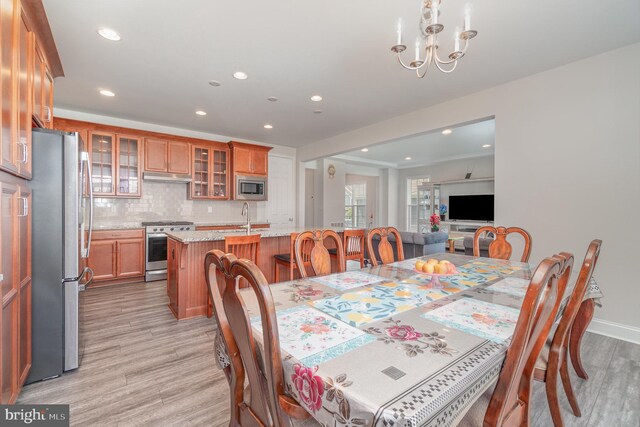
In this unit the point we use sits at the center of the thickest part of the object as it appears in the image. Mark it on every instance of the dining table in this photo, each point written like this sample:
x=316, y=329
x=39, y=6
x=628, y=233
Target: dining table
x=391, y=346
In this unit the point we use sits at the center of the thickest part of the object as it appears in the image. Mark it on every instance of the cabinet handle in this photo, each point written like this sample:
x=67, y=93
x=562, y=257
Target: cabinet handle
x=25, y=206
x=173, y=254
x=25, y=150
x=47, y=115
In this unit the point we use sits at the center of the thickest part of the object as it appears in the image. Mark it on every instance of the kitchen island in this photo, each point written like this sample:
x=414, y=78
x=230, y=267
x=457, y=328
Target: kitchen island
x=186, y=250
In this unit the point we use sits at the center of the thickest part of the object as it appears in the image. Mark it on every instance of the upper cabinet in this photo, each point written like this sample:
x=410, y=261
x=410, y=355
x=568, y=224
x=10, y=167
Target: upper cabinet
x=167, y=156
x=249, y=159
x=42, y=91
x=27, y=58
x=210, y=172
x=115, y=164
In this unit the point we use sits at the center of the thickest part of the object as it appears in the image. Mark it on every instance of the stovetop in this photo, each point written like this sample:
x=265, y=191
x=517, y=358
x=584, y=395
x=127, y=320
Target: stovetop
x=161, y=223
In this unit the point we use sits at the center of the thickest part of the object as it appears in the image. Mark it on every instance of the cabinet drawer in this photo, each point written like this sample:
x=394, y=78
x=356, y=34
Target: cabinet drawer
x=118, y=234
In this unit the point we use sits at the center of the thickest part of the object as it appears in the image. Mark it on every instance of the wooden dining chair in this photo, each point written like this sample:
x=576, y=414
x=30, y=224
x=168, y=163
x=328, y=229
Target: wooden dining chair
x=289, y=260
x=500, y=248
x=553, y=360
x=245, y=247
x=385, y=250
x=509, y=402
x=263, y=402
x=318, y=256
x=353, y=244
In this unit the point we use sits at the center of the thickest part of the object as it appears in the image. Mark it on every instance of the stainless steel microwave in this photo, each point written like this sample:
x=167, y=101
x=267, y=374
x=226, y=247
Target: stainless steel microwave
x=251, y=188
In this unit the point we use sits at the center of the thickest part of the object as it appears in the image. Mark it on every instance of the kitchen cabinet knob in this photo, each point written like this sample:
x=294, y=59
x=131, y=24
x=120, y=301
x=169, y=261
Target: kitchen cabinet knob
x=173, y=254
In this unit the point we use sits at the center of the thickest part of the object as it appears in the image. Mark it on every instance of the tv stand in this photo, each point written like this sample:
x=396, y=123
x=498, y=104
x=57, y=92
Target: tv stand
x=463, y=229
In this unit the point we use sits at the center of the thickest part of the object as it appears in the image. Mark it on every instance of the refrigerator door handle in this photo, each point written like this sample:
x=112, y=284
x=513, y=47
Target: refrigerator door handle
x=85, y=159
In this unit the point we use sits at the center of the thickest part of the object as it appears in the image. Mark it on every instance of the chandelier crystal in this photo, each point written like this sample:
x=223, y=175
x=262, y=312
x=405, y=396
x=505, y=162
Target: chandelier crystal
x=430, y=28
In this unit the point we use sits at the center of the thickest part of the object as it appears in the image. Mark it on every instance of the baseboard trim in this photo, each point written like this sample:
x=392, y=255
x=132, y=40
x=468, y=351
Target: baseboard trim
x=615, y=330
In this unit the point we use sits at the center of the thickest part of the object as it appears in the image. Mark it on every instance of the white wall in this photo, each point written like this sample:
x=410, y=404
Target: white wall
x=567, y=165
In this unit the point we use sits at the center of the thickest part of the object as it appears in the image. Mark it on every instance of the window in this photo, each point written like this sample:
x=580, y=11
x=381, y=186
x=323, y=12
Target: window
x=419, y=203
x=355, y=202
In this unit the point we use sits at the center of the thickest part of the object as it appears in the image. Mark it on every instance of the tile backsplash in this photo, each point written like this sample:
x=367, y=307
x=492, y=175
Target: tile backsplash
x=168, y=201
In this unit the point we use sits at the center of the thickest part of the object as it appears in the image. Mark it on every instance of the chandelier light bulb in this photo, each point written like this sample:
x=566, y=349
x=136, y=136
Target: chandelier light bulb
x=399, y=32
x=456, y=47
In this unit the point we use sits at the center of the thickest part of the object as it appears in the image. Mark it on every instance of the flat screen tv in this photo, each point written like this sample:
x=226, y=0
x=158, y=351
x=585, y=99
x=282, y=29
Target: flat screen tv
x=476, y=207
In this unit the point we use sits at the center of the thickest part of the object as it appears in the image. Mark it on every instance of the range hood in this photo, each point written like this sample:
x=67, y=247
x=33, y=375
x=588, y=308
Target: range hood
x=166, y=177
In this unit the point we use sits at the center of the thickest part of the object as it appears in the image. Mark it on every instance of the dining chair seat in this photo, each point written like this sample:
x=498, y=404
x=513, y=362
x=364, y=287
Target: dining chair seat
x=283, y=257
x=543, y=359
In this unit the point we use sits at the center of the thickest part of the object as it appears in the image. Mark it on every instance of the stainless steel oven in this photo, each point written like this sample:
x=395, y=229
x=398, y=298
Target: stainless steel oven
x=156, y=246
x=251, y=188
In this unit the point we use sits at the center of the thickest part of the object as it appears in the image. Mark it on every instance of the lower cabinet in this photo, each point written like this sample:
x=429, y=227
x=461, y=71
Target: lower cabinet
x=117, y=256
x=15, y=286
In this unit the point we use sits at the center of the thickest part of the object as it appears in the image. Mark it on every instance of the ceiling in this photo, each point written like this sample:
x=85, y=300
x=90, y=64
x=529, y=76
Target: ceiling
x=293, y=49
x=464, y=142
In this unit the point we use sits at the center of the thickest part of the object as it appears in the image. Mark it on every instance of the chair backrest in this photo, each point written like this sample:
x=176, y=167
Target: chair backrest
x=561, y=337
x=267, y=404
x=385, y=250
x=509, y=405
x=500, y=248
x=353, y=242
x=318, y=256
x=246, y=247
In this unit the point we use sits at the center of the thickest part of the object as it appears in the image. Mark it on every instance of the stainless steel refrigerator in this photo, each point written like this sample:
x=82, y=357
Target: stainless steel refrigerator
x=62, y=219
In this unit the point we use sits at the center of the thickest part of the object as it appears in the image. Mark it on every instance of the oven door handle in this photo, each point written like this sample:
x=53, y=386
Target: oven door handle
x=156, y=235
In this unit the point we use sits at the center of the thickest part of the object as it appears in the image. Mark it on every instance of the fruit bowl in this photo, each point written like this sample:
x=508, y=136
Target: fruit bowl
x=439, y=268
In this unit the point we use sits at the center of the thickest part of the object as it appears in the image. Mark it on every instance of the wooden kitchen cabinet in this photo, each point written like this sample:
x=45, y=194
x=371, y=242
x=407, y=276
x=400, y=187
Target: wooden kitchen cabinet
x=15, y=285
x=179, y=157
x=117, y=256
x=42, y=90
x=25, y=40
x=249, y=159
x=8, y=145
x=167, y=156
x=210, y=172
x=103, y=158
x=129, y=172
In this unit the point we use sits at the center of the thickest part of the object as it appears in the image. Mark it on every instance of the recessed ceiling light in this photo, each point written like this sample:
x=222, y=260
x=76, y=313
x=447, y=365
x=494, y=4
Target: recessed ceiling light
x=240, y=75
x=106, y=92
x=407, y=158
x=316, y=98
x=447, y=132
x=201, y=113
x=109, y=34
x=215, y=83
x=486, y=146
x=268, y=126
x=272, y=99
x=364, y=150
x=317, y=111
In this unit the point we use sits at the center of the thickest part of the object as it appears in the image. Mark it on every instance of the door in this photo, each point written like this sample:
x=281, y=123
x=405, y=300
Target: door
x=24, y=281
x=24, y=98
x=130, y=260
x=128, y=156
x=102, y=163
x=8, y=148
x=280, y=206
x=260, y=162
x=179, y=157
x=201, y=172
x=9, y=289
x=155, y=155
x=37, y=83
x=156, y=258
x=102, y=259
x=242, y=160
x=47, y=97
x=220, y=167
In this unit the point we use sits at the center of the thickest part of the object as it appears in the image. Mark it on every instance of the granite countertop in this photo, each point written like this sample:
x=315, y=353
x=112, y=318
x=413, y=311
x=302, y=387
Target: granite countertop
x=210, y=236
x=230, y=223
x=117, y=226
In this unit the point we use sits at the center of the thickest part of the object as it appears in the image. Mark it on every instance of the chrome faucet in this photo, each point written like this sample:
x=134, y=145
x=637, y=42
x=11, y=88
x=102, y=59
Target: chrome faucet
x=245, y=211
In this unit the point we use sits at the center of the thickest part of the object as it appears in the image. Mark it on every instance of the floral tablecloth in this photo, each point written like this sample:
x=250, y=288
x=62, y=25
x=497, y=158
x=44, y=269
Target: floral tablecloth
x=380, y=346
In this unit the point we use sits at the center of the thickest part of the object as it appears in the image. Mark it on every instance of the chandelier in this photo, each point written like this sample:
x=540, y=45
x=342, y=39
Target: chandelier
x=430, y=27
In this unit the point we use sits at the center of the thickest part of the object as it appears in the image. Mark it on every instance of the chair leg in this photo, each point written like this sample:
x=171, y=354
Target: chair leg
x=551, y=385
x=579, y=327
x=568, y=389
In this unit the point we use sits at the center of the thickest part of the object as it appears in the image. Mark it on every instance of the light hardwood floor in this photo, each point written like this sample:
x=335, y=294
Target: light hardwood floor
x=142, y=367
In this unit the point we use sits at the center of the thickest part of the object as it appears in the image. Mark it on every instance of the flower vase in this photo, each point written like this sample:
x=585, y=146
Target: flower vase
x=434, y=228
x=443, y=217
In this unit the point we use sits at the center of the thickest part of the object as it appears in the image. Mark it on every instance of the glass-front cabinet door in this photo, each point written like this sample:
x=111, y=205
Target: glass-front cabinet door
x=102, y=163
x=201, y=173
x=128, y=166
x=220, y=177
